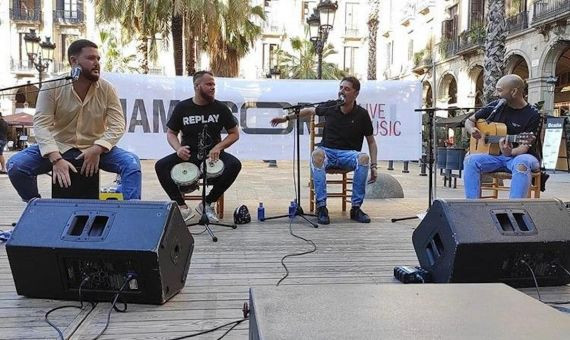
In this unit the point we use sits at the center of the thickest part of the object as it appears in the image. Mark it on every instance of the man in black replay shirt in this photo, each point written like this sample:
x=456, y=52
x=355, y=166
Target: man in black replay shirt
x=520, y=160
x=189, y=118
x=345, y=128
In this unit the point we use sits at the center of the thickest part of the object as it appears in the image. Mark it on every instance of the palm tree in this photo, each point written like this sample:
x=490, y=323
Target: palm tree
x=302, y=64
x=113, y=58
x=141, y=20
x=372, y=38
x=494, y=62
x=177, y=29
x=238, y=35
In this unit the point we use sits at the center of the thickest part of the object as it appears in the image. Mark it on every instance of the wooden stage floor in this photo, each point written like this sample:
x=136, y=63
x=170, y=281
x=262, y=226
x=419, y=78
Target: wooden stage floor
x=221, y=273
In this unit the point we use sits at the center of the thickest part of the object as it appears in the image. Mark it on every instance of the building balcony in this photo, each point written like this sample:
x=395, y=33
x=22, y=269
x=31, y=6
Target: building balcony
x=471, y=40
x=351, y=32
x=422, y=62
x=67, y=17
x=26, y=15
x=449, y=47
x=271, y=28
x=424, y=6
x=550, y=10
x=22, y=67
x=407, y=17
x=517, y=23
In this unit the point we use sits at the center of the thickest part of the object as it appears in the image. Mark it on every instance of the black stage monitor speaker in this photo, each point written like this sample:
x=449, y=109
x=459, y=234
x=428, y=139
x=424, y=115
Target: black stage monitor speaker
x=56, y=244
x=494, y=241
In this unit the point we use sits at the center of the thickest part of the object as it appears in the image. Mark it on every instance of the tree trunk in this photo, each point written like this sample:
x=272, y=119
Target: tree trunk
x=494, y=63
x=177, y=44
x=142, y=54
x=190, y=50
x=372, y=39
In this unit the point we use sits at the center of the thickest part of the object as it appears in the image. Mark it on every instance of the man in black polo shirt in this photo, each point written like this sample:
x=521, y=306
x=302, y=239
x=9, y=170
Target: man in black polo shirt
x=190, y=117
x=345, y=128
x=520, y=160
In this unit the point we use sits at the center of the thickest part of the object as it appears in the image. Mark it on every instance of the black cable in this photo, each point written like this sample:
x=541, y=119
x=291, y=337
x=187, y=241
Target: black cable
x=114, y=307
x=538, y=291
x=231, y=328
x=212, y=330
x=46, y=316
x=295, y=254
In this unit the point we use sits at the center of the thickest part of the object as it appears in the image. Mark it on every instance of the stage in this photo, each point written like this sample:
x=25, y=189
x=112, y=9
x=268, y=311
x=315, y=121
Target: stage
x=221, y=273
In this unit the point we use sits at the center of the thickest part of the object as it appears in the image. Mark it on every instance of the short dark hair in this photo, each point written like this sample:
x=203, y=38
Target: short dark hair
x=199, y=75
x=355, y=82
x=75, y=47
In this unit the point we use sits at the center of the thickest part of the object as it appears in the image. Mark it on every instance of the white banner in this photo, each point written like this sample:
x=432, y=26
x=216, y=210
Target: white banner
x=148, y=102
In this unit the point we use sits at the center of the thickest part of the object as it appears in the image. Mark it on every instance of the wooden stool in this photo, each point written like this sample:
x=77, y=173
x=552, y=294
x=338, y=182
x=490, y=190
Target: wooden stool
x=495, y=186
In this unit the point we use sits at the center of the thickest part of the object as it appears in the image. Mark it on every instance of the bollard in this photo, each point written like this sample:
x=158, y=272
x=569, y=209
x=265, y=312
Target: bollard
x=390, y=165
x=406, y=163
x=423, y=166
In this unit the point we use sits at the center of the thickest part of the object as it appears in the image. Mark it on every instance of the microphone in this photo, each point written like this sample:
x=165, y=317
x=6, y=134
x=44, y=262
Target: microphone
x=341, y=99
x=497, y=107
x=75, y=73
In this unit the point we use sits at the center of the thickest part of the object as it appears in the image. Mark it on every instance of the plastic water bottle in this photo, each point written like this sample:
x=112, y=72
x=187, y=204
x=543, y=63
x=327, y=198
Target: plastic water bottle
x=261, y=212
x=292, y=209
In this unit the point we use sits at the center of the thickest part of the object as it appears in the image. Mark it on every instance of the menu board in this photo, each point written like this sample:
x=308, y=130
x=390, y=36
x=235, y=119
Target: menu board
x=552, y=137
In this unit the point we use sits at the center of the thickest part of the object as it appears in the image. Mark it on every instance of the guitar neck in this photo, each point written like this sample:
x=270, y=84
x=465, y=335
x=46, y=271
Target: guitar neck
x=496, y=139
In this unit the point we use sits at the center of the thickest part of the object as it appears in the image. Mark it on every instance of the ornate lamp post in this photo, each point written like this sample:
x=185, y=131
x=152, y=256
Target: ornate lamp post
x=320, y=24
x=551, y=86
x=39, y=52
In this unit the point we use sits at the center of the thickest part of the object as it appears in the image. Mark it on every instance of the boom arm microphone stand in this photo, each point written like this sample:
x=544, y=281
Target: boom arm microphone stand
x=204, y=220
x=299, y=210
x=431, y=155
x=70, y=77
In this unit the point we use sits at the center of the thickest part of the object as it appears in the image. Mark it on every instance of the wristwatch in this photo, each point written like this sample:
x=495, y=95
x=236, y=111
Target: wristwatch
x=286, y=117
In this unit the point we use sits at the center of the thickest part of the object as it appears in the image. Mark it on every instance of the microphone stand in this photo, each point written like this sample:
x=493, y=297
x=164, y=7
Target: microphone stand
x=36, y=83
x=431, y=156
x=204, y=220
x=298, y=209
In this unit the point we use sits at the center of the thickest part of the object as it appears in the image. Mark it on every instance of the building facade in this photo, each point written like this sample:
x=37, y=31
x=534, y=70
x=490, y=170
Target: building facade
x=60, y=21
x=450, y=35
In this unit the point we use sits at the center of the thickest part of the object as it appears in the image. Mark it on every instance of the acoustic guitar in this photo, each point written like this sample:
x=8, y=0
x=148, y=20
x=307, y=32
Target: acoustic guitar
x=491, y=134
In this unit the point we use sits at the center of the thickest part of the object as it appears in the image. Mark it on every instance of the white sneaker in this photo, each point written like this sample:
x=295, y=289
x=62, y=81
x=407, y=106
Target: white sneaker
x=187, y=214
x=209, y=212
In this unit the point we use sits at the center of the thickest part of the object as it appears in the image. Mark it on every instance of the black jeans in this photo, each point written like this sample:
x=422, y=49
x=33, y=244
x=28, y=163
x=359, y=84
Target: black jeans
x=232, y=167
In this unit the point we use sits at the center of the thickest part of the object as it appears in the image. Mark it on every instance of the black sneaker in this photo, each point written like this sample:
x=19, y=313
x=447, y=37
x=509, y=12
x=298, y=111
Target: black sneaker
x=323, y=215
x=358, y=215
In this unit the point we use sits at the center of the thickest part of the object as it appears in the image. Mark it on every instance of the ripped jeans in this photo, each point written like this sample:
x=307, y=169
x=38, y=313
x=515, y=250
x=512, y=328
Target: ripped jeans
x=520, y=166
x=341, y=159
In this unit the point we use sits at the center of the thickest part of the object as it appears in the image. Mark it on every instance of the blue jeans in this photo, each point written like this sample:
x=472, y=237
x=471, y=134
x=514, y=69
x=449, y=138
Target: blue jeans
x=520, y=166
x=26, y=165
x=341, y=159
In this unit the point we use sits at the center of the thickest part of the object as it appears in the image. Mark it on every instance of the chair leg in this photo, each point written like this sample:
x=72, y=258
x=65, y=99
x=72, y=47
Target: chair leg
x=220, y=207
x=344, y=195
x=311, y=196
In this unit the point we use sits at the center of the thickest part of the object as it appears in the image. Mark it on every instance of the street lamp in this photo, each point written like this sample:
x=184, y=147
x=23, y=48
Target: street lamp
x=551, y=86
x=39, y=52
x=320, y=24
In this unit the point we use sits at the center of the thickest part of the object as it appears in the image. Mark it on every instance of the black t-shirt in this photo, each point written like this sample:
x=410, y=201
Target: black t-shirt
x=190, y=118
x=526, y=119
x=344, y=131
x=3, y=129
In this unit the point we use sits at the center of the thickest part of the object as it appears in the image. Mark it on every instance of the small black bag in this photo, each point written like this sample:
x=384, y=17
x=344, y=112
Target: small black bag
x=241, y=215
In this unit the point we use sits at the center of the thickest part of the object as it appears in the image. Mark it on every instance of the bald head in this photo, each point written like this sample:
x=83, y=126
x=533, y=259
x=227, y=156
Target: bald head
x=511, y=87
x=512, y=81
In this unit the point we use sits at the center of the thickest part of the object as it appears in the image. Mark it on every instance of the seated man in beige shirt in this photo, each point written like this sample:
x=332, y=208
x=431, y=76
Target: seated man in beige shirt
x=80, y=122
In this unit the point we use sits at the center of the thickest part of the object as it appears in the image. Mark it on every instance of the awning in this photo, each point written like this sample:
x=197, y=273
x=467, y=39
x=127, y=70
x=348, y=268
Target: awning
x=19, y=119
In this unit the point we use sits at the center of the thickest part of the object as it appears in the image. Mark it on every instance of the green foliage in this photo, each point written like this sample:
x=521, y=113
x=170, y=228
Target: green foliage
x=113, y=59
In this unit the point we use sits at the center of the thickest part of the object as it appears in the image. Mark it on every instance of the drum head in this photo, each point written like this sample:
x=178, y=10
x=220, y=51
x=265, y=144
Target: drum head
x=185, y=174
x=214, y=169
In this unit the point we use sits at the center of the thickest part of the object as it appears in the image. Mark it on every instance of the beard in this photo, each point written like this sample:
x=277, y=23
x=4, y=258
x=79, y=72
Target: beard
x=91, y=76
x=208, y=97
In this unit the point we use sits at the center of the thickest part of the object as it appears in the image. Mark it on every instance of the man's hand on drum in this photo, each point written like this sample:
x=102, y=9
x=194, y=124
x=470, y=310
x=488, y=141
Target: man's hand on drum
x=278, y=120
x=183, y=152
x=215, y=153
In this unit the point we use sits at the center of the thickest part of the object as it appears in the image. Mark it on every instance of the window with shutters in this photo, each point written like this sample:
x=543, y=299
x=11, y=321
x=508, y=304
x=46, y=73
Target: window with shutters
x=476, y=13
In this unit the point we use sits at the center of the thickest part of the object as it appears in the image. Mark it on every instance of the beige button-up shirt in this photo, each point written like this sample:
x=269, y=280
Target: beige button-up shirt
x=63, y=121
